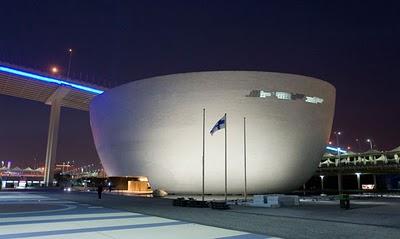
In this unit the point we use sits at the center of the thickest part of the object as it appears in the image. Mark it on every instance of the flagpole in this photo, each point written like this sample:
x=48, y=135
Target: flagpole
x=245, y=159
x=226, y=161
x=204, y=146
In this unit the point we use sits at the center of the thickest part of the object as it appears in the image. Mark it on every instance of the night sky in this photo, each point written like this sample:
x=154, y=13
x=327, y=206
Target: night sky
x=355, y=45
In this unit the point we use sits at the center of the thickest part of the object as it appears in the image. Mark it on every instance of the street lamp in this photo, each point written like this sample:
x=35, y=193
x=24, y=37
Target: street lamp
x=370, y=143
x=358, y=145
x=337, y=144
x=69, y=61
x=337, y=137
x=54, y=70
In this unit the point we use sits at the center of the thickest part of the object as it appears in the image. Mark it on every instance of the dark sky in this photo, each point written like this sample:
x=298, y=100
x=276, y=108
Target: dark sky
x=355, y=45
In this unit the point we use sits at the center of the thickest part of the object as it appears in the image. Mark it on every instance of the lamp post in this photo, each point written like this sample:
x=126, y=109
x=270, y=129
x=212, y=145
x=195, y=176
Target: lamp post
x=370, y=143
x=337, y=133
x=337, y=144
x=69, y=61
x=358, y=145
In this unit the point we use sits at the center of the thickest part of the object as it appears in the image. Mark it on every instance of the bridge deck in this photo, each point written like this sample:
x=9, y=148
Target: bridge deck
x=33, y=85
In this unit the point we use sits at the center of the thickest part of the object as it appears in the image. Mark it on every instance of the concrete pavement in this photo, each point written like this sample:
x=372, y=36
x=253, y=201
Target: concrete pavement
x=32, y=215
x=377, y=218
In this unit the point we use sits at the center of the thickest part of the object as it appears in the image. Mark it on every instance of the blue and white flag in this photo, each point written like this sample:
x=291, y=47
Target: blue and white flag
x=219, y=125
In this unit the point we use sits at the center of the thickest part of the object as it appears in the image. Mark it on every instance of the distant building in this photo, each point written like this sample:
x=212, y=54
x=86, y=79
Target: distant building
x=17, y=177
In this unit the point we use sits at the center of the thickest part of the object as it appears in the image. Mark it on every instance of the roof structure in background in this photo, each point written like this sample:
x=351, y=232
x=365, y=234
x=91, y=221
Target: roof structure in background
x=397, y=149
x=34, y=85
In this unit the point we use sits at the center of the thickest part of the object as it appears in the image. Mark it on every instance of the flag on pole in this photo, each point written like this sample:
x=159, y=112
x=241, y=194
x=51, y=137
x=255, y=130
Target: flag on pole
x=219, y=125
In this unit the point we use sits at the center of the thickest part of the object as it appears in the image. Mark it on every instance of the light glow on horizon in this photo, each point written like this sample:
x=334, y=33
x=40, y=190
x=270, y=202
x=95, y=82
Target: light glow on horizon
x=50, y=80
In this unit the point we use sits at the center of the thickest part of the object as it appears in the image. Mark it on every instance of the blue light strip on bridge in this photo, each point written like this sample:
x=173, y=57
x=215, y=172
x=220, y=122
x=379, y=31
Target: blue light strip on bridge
x=49, y=80
x=336, y=149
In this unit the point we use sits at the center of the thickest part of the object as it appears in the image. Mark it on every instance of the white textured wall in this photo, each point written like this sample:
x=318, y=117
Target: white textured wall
x=153, y=128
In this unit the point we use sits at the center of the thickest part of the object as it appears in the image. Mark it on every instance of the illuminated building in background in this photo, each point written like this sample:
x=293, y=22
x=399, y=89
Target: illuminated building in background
x=153, y=128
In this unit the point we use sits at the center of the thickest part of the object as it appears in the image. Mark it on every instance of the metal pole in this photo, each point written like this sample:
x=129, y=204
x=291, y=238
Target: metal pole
x=337, y=139
x=69, y=62
x=338, y=146
x=245, y=159
x=226, y=162
x=204, y=125
x=358, y=145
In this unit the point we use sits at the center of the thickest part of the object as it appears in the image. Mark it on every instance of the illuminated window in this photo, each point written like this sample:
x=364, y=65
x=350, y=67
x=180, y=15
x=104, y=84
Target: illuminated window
x=264, y=94
x=283, y=95
x=314, y=100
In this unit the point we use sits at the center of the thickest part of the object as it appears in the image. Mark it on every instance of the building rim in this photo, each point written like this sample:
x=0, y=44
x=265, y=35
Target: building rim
x=222, y=71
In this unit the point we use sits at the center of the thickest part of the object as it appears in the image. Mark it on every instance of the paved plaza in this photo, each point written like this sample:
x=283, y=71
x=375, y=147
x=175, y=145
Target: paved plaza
x=54, y=214
x=31, y=215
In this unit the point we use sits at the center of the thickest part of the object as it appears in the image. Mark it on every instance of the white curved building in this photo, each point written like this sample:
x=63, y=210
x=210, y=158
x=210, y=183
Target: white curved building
x=153, y=128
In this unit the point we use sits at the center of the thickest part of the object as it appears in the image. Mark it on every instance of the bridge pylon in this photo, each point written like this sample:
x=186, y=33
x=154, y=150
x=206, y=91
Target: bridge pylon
x=52, y=139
